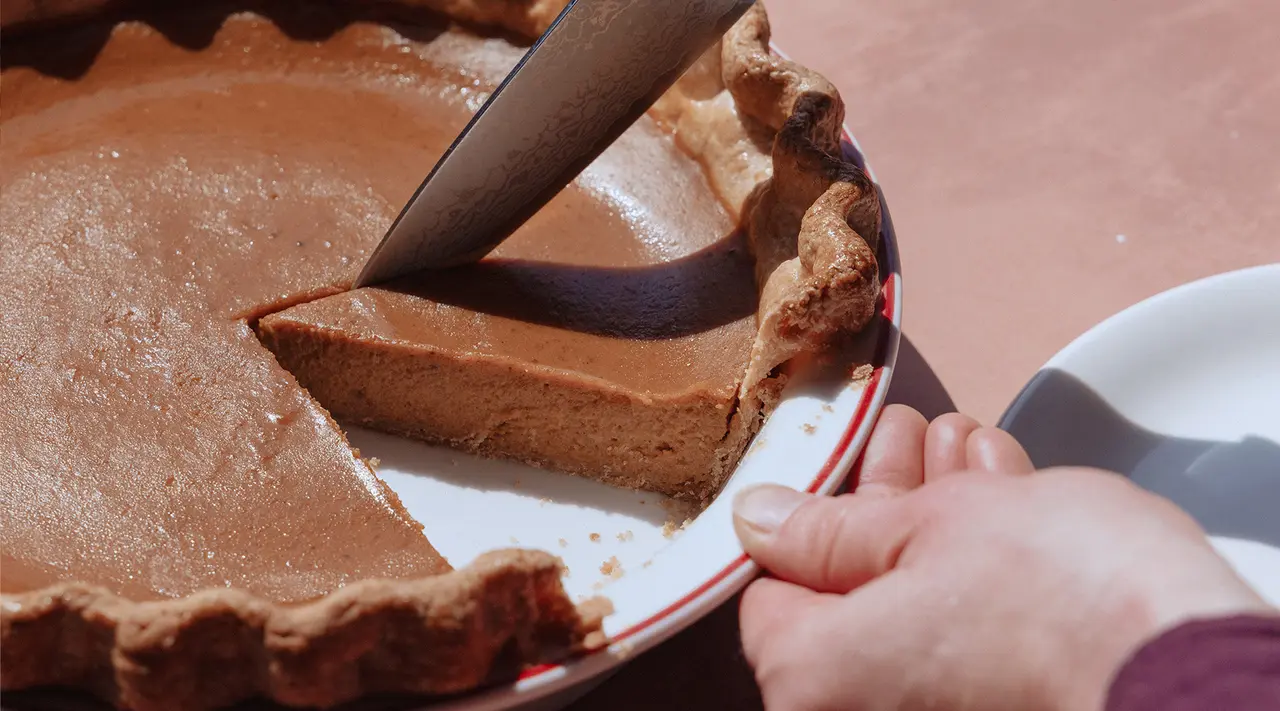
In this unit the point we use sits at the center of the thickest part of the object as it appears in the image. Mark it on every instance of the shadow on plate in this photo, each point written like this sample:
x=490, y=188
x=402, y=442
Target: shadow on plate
x=466, y=471
x=1230, y=488
x=825, y=376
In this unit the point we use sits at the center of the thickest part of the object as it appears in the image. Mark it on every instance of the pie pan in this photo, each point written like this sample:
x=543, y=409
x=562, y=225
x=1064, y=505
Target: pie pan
x=611, y=538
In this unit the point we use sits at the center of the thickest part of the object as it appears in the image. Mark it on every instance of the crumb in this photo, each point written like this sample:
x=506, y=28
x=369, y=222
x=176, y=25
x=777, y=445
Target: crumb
x=516, y=484
x=647, y=563
x=544, y=501
x=642, y=502
x=757, y=445
x=678, y=509
x=808, y=428
x=860, y=373
x=611, y=568
x=564, y=543
x=514, y=542
x=624, y=649
x=626, y=536
x=453, y=462
x=828, y=408
x=597, y=586
x=565, y=571
x=374, y=462
x=595, y=537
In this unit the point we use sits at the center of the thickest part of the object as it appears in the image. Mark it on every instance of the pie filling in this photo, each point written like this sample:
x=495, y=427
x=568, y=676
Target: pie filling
x=167, y=183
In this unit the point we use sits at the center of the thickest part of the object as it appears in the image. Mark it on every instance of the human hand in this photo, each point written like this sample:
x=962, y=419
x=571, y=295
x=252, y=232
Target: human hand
x=952, y=580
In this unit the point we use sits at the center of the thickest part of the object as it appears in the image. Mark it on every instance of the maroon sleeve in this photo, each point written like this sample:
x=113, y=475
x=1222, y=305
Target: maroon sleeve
x=1228, y=664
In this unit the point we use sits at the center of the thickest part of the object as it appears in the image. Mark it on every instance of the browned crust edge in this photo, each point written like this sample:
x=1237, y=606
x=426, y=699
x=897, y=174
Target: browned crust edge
x=437, y=635
x=813, y=225
x=812, y=219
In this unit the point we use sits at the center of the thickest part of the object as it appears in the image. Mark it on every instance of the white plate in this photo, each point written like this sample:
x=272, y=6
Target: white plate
x=1181, y=393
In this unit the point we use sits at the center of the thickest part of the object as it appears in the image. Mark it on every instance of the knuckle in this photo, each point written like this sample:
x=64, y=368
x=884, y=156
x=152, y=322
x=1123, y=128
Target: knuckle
x=810, y=524
x=786, y=682
x=960, y=498
x=829, y=558
x=841, y=556
x=825, y=533
x=955, y=421
x=955, y=493
x=753, y=614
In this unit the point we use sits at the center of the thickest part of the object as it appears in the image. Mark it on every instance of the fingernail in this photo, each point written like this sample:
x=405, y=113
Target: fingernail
x=765, y=507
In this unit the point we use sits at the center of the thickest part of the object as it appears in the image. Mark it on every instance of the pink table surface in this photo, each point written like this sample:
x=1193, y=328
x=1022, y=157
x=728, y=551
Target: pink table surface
x=1046, y=164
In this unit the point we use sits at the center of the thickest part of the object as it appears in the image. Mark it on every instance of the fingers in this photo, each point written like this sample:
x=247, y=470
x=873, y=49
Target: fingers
x=827, y=545
x=893, y=461
x=956, y=443
x=837, y=545
x=769, y=609
x=945, y=450
x=996, y=451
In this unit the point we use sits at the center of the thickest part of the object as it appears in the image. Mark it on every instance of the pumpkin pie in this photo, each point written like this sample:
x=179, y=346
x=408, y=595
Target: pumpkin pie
x=183, y=522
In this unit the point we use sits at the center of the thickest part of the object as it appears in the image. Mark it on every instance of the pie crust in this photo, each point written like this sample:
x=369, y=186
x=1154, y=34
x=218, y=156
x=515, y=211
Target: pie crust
x=768, y=133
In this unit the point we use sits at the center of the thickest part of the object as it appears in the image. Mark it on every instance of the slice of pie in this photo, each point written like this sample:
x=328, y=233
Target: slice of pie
x=183, y=524
x=620, y=335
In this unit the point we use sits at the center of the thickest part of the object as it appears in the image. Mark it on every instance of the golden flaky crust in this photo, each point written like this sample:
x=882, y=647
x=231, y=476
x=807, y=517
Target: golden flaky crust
x=768, y=133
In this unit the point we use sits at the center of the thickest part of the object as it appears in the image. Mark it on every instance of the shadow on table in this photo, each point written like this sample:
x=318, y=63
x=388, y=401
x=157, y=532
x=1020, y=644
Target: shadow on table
x=1230, y=488
x=915, y=383
x=700, y=668
x=67, y=700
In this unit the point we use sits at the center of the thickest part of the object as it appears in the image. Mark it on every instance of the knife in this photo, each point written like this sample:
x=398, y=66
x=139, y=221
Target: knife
x=591, y=75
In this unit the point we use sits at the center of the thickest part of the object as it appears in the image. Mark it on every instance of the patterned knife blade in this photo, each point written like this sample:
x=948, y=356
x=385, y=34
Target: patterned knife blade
x=598, y=68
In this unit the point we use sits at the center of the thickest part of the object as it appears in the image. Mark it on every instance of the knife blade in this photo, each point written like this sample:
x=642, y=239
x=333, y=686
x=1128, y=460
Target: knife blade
x=591, y=75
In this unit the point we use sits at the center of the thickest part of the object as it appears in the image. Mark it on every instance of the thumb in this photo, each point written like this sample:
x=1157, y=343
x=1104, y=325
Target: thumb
x=830, y=545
